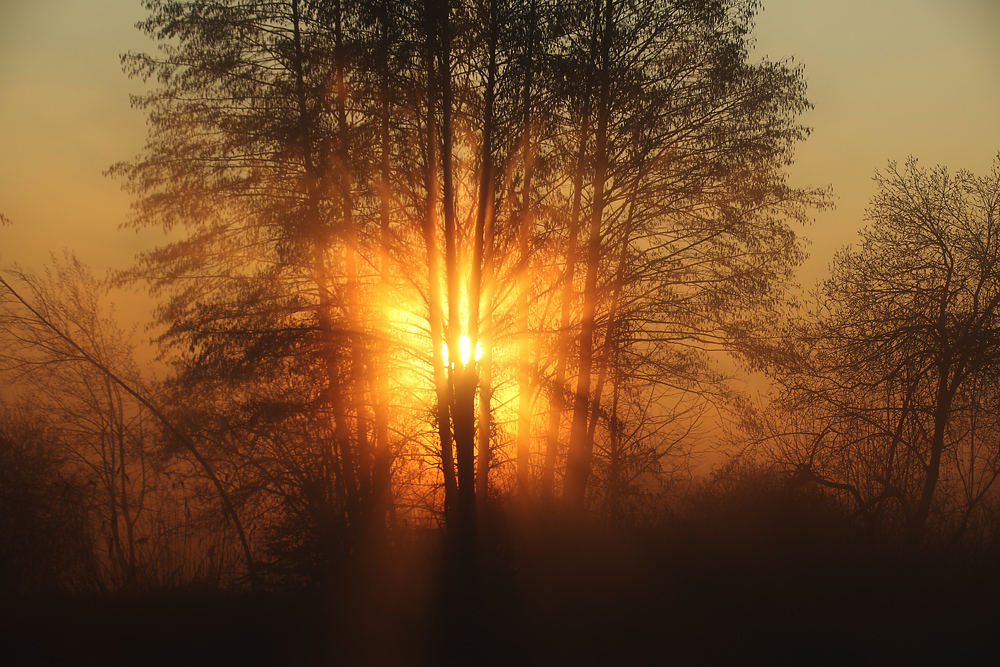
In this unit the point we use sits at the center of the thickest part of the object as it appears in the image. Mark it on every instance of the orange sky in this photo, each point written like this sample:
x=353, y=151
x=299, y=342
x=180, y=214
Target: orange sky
x=888, y=78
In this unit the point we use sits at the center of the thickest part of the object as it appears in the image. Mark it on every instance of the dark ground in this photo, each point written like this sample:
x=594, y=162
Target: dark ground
x=550, y=599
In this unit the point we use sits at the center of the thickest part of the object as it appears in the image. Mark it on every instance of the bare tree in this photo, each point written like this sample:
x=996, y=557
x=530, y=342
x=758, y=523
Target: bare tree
x=77, y=366
x=898, y=360
x=391, y=212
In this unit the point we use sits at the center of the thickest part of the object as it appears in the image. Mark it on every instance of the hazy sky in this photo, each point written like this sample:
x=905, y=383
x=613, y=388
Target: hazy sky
x=888, y=78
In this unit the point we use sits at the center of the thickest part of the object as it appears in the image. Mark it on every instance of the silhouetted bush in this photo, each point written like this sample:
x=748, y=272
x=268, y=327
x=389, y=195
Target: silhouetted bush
x=763, y=517
x=44, y=542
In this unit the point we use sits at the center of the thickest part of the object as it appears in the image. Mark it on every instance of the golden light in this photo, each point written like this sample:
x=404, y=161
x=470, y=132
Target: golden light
x=464, y=350
x=463, y=347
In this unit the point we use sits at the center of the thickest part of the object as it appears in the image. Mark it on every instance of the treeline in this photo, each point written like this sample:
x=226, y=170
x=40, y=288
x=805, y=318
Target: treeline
x=429, y=256
x=886, y=383
x=464, y=246
x=96, y=493
x=433, y=261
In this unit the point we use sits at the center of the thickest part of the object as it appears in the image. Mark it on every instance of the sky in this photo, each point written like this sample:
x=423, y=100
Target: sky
x=888, y=78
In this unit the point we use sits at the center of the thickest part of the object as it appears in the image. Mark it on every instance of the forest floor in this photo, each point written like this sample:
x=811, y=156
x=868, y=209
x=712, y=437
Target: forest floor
x=558, y=600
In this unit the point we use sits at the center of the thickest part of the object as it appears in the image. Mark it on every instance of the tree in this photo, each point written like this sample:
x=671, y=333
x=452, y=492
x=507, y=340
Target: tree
x=687, y=222
x=47, y=544
x=589, y=193
x=65, y=351
x=253, y=151
x=898, y=360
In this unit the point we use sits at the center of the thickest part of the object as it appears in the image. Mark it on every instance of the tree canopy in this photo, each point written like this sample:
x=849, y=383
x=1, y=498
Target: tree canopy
x=586, y=196
x=893, y=375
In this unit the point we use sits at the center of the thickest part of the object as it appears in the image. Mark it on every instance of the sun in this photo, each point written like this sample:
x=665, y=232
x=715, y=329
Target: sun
x=464, y=350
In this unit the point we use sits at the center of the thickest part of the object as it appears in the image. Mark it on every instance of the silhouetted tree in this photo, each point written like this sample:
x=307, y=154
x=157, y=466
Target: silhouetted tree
x=75, y=367
x=46, y=543
x=388, y=209
x=256, y=153
x=894, y=373
x=685, y=230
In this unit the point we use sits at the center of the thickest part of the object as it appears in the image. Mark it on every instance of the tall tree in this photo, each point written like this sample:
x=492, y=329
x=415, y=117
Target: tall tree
x=389, y=209
x=686, y=174
x=255, y=153
x=899, y=357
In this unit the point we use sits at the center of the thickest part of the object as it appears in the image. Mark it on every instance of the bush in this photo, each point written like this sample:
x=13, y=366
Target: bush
x=45, y=544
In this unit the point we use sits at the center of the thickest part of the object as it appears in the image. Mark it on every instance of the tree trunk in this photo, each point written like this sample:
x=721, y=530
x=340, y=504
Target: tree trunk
x=441, y=381
x=118, y=419
x=319, y=238
x=942, y=415
x=526, y=223
x=463, y=382
x=379, y=377
x=564, y=339
x=558, y=399
x=612, y=317
x=482, y=263
x=615, y=467
x=578, y=462
x=359, y=356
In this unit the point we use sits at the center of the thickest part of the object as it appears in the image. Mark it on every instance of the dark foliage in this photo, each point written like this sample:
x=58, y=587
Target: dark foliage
x=44, y=537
